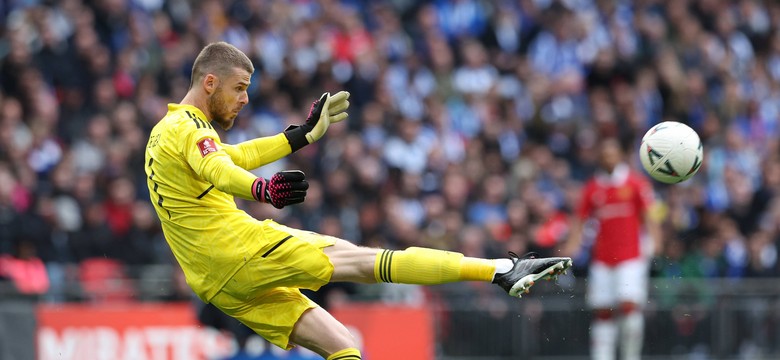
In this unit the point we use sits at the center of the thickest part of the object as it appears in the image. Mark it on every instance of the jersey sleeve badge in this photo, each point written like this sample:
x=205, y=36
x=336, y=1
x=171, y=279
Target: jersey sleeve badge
x=207, y=146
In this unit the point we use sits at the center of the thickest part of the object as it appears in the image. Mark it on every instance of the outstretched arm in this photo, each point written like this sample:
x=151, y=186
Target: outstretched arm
x=255, y=153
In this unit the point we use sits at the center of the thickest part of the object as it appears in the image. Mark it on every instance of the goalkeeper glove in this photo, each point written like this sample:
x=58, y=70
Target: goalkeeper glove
x=284, y=188
x=325, y=111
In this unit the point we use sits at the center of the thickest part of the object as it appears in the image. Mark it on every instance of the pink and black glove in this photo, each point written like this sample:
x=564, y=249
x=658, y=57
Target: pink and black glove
x=329, y=109
x=284, y=188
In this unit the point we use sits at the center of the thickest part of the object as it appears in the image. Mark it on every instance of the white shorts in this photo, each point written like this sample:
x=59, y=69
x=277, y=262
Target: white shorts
x=610, y=286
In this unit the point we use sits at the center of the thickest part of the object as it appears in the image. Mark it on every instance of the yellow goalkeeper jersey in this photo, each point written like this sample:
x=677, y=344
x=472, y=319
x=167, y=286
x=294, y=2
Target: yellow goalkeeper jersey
x=192, y=178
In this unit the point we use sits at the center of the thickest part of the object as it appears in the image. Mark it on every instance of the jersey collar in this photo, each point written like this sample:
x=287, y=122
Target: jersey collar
x=174, y=107
x=617, y=177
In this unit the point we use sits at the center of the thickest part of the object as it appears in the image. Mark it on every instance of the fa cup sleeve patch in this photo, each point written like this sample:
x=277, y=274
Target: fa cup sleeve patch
x=207, y=146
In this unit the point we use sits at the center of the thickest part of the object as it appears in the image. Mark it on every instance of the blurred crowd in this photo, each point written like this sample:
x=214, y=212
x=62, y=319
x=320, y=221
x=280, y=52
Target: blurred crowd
x=472, y=128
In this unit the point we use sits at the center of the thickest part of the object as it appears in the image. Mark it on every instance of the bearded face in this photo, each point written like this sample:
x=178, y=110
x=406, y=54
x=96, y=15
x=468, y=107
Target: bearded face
x=220, y=112
x=228, y=98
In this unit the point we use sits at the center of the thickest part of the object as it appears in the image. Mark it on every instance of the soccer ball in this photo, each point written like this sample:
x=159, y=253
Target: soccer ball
x=671, y=152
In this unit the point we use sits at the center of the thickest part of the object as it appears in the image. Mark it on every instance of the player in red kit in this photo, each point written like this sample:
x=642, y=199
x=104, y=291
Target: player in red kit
x=619, y=199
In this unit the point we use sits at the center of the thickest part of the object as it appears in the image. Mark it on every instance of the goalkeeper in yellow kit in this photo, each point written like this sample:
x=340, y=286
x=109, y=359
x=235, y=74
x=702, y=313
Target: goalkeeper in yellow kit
x=252, y=269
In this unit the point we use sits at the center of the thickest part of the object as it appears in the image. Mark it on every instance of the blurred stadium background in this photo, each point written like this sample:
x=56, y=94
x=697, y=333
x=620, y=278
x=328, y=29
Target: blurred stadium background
x=473, y=127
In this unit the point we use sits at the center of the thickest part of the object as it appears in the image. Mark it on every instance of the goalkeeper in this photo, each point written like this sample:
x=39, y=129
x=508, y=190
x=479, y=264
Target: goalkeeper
x=252, y=269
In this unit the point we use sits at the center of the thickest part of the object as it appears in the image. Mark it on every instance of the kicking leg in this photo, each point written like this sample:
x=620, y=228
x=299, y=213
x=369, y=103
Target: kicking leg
x=320, y=332
x=429, y=266
x=411, y=266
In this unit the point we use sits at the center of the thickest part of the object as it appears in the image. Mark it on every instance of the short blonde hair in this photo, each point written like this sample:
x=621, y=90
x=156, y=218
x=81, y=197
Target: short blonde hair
x=219, y=58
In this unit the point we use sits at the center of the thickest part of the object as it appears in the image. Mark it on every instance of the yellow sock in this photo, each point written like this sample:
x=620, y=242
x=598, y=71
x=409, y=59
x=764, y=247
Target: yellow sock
x=429, y=267
x=346, y=354
x=476, y=269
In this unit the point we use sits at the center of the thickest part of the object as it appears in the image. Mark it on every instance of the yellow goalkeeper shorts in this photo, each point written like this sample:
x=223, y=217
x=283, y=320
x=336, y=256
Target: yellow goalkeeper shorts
x=264, y=293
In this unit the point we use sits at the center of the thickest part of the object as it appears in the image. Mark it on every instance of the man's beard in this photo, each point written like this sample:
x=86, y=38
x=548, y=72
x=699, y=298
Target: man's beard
x=218, y=109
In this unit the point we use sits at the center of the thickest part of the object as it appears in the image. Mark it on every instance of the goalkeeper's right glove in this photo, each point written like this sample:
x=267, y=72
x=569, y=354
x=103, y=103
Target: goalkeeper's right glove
x=284, y=188
x=328, y=109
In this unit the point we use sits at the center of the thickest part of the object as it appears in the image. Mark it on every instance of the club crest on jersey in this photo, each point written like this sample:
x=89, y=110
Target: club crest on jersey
x=625, y=193
x=207, y=146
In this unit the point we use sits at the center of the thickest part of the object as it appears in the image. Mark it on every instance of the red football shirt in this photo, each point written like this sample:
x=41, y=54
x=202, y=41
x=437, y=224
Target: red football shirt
x=618, y=201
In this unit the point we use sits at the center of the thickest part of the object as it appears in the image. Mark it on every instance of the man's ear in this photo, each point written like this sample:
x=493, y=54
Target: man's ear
x=210, y=83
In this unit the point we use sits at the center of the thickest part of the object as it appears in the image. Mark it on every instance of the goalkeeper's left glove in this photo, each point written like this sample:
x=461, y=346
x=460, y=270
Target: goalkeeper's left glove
x=328, y=109
x=284, y=188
